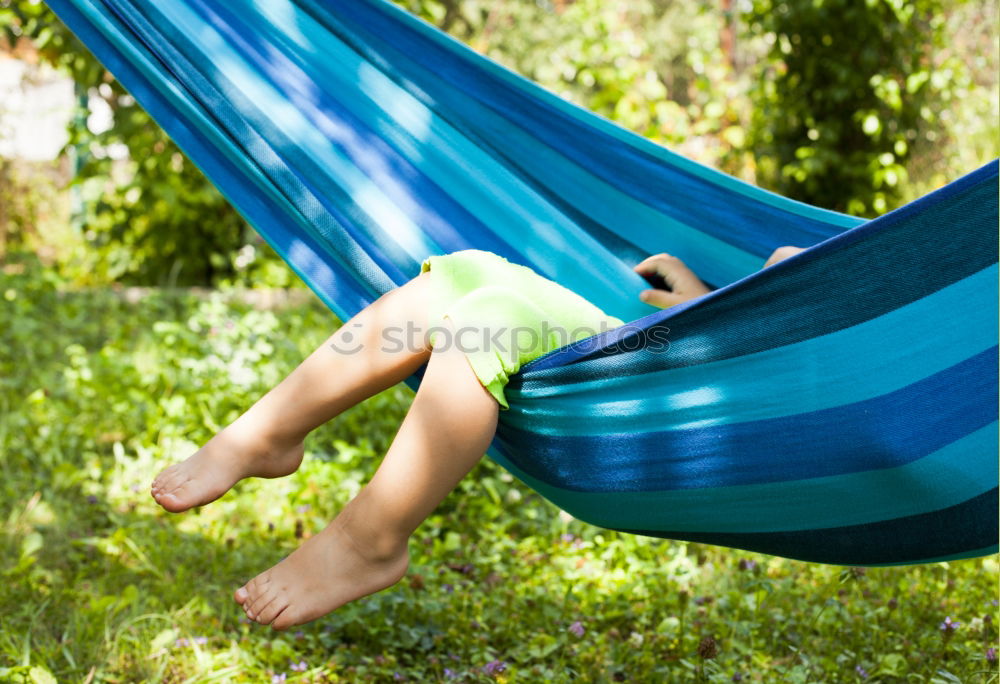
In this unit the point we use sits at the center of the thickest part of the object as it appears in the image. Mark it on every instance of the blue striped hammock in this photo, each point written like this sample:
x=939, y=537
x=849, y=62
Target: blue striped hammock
x=840, y=407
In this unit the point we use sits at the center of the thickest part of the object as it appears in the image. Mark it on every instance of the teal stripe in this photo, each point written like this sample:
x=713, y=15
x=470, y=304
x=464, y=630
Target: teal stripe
x=648, y=147
x=858, y=363
x=958, y=472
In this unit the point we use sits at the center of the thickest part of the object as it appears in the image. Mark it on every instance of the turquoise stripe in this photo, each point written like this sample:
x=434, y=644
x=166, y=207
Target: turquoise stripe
x=648, y=147
x=840, y=368
x=958, y=472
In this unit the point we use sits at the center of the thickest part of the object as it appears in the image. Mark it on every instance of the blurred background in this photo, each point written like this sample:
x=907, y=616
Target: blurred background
x=139, y=314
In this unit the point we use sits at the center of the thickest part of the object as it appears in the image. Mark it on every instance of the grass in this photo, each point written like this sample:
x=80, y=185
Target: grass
x=97, y=584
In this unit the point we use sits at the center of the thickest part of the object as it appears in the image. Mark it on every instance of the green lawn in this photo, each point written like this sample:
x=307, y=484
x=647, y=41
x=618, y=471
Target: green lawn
x=99, y=584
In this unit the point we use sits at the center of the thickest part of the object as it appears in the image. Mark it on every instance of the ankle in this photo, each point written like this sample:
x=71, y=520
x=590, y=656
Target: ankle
x=385, y=549
x=377, y=546
x=262, y=431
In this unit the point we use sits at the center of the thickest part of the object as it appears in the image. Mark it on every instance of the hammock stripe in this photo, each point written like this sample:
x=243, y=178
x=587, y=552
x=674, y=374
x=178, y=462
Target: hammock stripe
x=839, y=407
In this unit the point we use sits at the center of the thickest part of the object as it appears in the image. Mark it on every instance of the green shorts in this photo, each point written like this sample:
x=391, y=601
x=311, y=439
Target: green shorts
x=503, y=315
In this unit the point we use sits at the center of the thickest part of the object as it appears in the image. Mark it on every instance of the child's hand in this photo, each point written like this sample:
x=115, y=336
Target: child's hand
x=781, y=254
x=681, y=280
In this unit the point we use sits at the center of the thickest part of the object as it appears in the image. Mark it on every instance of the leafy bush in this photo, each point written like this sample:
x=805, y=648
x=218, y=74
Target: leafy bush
x=848, y=91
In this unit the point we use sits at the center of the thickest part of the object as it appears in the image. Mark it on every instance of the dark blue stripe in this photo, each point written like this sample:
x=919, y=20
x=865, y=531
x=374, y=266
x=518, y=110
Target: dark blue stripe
x=970, y=525
x=884, y=432
x=868, y=271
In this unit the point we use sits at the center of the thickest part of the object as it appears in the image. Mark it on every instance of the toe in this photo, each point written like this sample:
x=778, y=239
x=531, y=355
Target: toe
x=247, y=609
x=255, y=587
x=174, y=480
x=268, y=613
x=259, y=605
x=180, y=497
x=246, y=594
x=163, y=475
x=167, y=486
x=166, y=476
x=180, y=487
x=252, y=592
x=284, y=619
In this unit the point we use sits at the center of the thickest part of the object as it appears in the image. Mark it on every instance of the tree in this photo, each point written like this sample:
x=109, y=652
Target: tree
x=847, y=92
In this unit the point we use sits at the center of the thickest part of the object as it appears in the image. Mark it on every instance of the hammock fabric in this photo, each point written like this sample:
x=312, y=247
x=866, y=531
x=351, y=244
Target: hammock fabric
x=839, y=407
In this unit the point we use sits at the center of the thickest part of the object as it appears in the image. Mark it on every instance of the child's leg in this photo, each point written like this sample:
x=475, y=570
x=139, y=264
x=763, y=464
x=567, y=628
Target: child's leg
x=266, y=441
x=446, y=431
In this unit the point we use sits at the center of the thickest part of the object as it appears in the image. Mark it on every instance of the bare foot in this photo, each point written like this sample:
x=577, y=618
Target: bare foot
x=235, y=453
x=328, y=570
